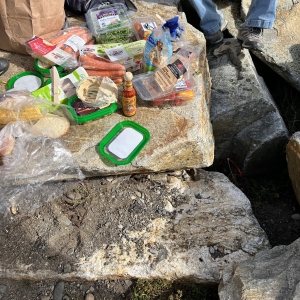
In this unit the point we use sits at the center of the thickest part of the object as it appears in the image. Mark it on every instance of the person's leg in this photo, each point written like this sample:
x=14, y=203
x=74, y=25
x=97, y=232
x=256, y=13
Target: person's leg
x=210, y=19
x=261, y=14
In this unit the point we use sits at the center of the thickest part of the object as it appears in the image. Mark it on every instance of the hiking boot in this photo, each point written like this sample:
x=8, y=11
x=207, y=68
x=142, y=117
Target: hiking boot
x=215, y=38
x=251, y=37
x=4, y=64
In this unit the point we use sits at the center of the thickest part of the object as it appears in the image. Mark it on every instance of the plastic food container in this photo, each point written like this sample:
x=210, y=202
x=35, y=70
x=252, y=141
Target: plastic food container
x=144, y=26
x=124, y=142
x=97, y=114
x=44, y=69
x=30, y=80
x=148, y=90
x=111, y=24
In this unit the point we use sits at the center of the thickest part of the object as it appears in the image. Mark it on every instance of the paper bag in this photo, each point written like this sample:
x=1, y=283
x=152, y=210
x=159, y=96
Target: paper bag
x=20, y=20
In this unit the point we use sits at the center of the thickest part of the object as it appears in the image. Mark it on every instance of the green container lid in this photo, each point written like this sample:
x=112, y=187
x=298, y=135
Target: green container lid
x=49, y=80
x=124, y=142
x=45, y=71
x=30, y=80
x=92, y=116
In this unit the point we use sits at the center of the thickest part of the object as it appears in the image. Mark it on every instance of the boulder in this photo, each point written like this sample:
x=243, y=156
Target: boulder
x=270, y=274
x=247, y=125
x=293, y=162
x=134, y=227
x=181, y=136
x=282, y=44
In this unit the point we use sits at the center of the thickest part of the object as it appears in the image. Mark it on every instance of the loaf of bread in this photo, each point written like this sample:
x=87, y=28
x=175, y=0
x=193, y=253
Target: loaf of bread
x=52, y=126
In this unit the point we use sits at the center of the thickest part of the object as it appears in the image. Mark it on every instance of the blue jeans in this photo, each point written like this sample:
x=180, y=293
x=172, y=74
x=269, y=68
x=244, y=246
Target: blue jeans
x=262, y=13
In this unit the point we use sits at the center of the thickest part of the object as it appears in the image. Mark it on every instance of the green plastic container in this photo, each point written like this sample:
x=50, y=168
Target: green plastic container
x=30, y=80
x=92, y=116
x=46, y=71
x=124, y=142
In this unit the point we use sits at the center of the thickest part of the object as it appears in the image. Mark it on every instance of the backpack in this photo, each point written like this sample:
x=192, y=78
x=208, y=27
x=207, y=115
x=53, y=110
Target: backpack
x=82, y=6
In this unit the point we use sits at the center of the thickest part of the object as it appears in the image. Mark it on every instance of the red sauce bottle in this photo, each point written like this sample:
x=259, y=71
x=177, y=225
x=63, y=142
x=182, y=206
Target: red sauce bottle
x=128, y=96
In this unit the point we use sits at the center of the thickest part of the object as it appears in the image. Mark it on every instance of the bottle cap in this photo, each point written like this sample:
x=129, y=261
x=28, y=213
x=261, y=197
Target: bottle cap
x=128, y=76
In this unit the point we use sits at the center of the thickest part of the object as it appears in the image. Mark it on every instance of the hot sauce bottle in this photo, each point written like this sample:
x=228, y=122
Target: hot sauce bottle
x=128, y=96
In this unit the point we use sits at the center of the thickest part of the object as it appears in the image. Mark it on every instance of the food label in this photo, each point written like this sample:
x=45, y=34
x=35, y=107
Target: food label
x=129, y=55
x=149, y=26
x=180, y=84
x=50, y=52
x=108, y=17
x=168, y=76
x=129, y=106
x=75, y=42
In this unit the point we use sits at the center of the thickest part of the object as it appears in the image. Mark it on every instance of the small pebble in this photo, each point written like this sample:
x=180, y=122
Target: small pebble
x=2, y=290
x=89, y=296
x=58, y=292
x=14, y=210
x=67, y=268
x=296, y=217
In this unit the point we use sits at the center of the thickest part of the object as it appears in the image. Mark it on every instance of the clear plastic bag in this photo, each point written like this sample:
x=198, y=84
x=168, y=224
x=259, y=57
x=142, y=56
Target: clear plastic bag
x=29, y=161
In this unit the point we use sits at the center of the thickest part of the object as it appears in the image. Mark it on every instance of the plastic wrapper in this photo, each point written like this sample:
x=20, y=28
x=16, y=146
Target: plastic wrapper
x=61, y=49
x=176, y=31
x=144, y=26
x=30, y=158
x=158, y=49
x=111, y=24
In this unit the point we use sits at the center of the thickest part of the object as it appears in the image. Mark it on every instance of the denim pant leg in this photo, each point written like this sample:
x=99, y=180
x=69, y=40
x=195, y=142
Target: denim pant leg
x=262, y=14
x=210, y=17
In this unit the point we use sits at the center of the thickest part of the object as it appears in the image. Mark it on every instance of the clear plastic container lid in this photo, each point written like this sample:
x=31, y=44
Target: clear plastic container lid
x=111, y=18
x=148, y=89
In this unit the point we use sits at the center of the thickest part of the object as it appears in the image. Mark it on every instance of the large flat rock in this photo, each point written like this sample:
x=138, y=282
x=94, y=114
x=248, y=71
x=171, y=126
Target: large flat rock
x=181, y=137
x=156, y=226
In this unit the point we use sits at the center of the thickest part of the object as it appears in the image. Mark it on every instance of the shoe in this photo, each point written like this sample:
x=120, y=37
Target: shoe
x=251, y=37
x=4, y=64
x=215, y=38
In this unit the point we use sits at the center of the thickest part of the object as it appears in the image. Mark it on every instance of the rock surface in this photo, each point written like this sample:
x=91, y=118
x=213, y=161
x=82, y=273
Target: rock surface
x=282, y=44
x=247, y=125
x=181, y=137
x=125, y=228
x=293, y=162
x=270, y=274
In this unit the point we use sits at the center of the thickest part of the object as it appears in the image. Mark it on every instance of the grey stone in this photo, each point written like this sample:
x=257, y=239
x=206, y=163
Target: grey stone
x=181, y=244
x=270, y=274
x=58, y=292
x=246, y=122
x=293, y=162
x=2, y=290
x=67, y=268
x=296, y=217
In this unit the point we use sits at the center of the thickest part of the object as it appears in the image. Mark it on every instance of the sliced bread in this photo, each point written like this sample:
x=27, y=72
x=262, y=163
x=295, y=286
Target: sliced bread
x=52, y=126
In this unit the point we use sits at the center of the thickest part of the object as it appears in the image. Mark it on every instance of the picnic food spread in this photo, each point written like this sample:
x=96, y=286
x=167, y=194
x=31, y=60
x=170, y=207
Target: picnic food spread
x=112, y=64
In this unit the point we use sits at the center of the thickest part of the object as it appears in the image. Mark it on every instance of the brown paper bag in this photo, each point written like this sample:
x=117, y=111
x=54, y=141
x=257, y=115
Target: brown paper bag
x=20, y=20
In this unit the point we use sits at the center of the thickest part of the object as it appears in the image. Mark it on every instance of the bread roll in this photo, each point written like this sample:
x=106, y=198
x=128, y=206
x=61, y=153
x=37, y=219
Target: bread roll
x=52, y=126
